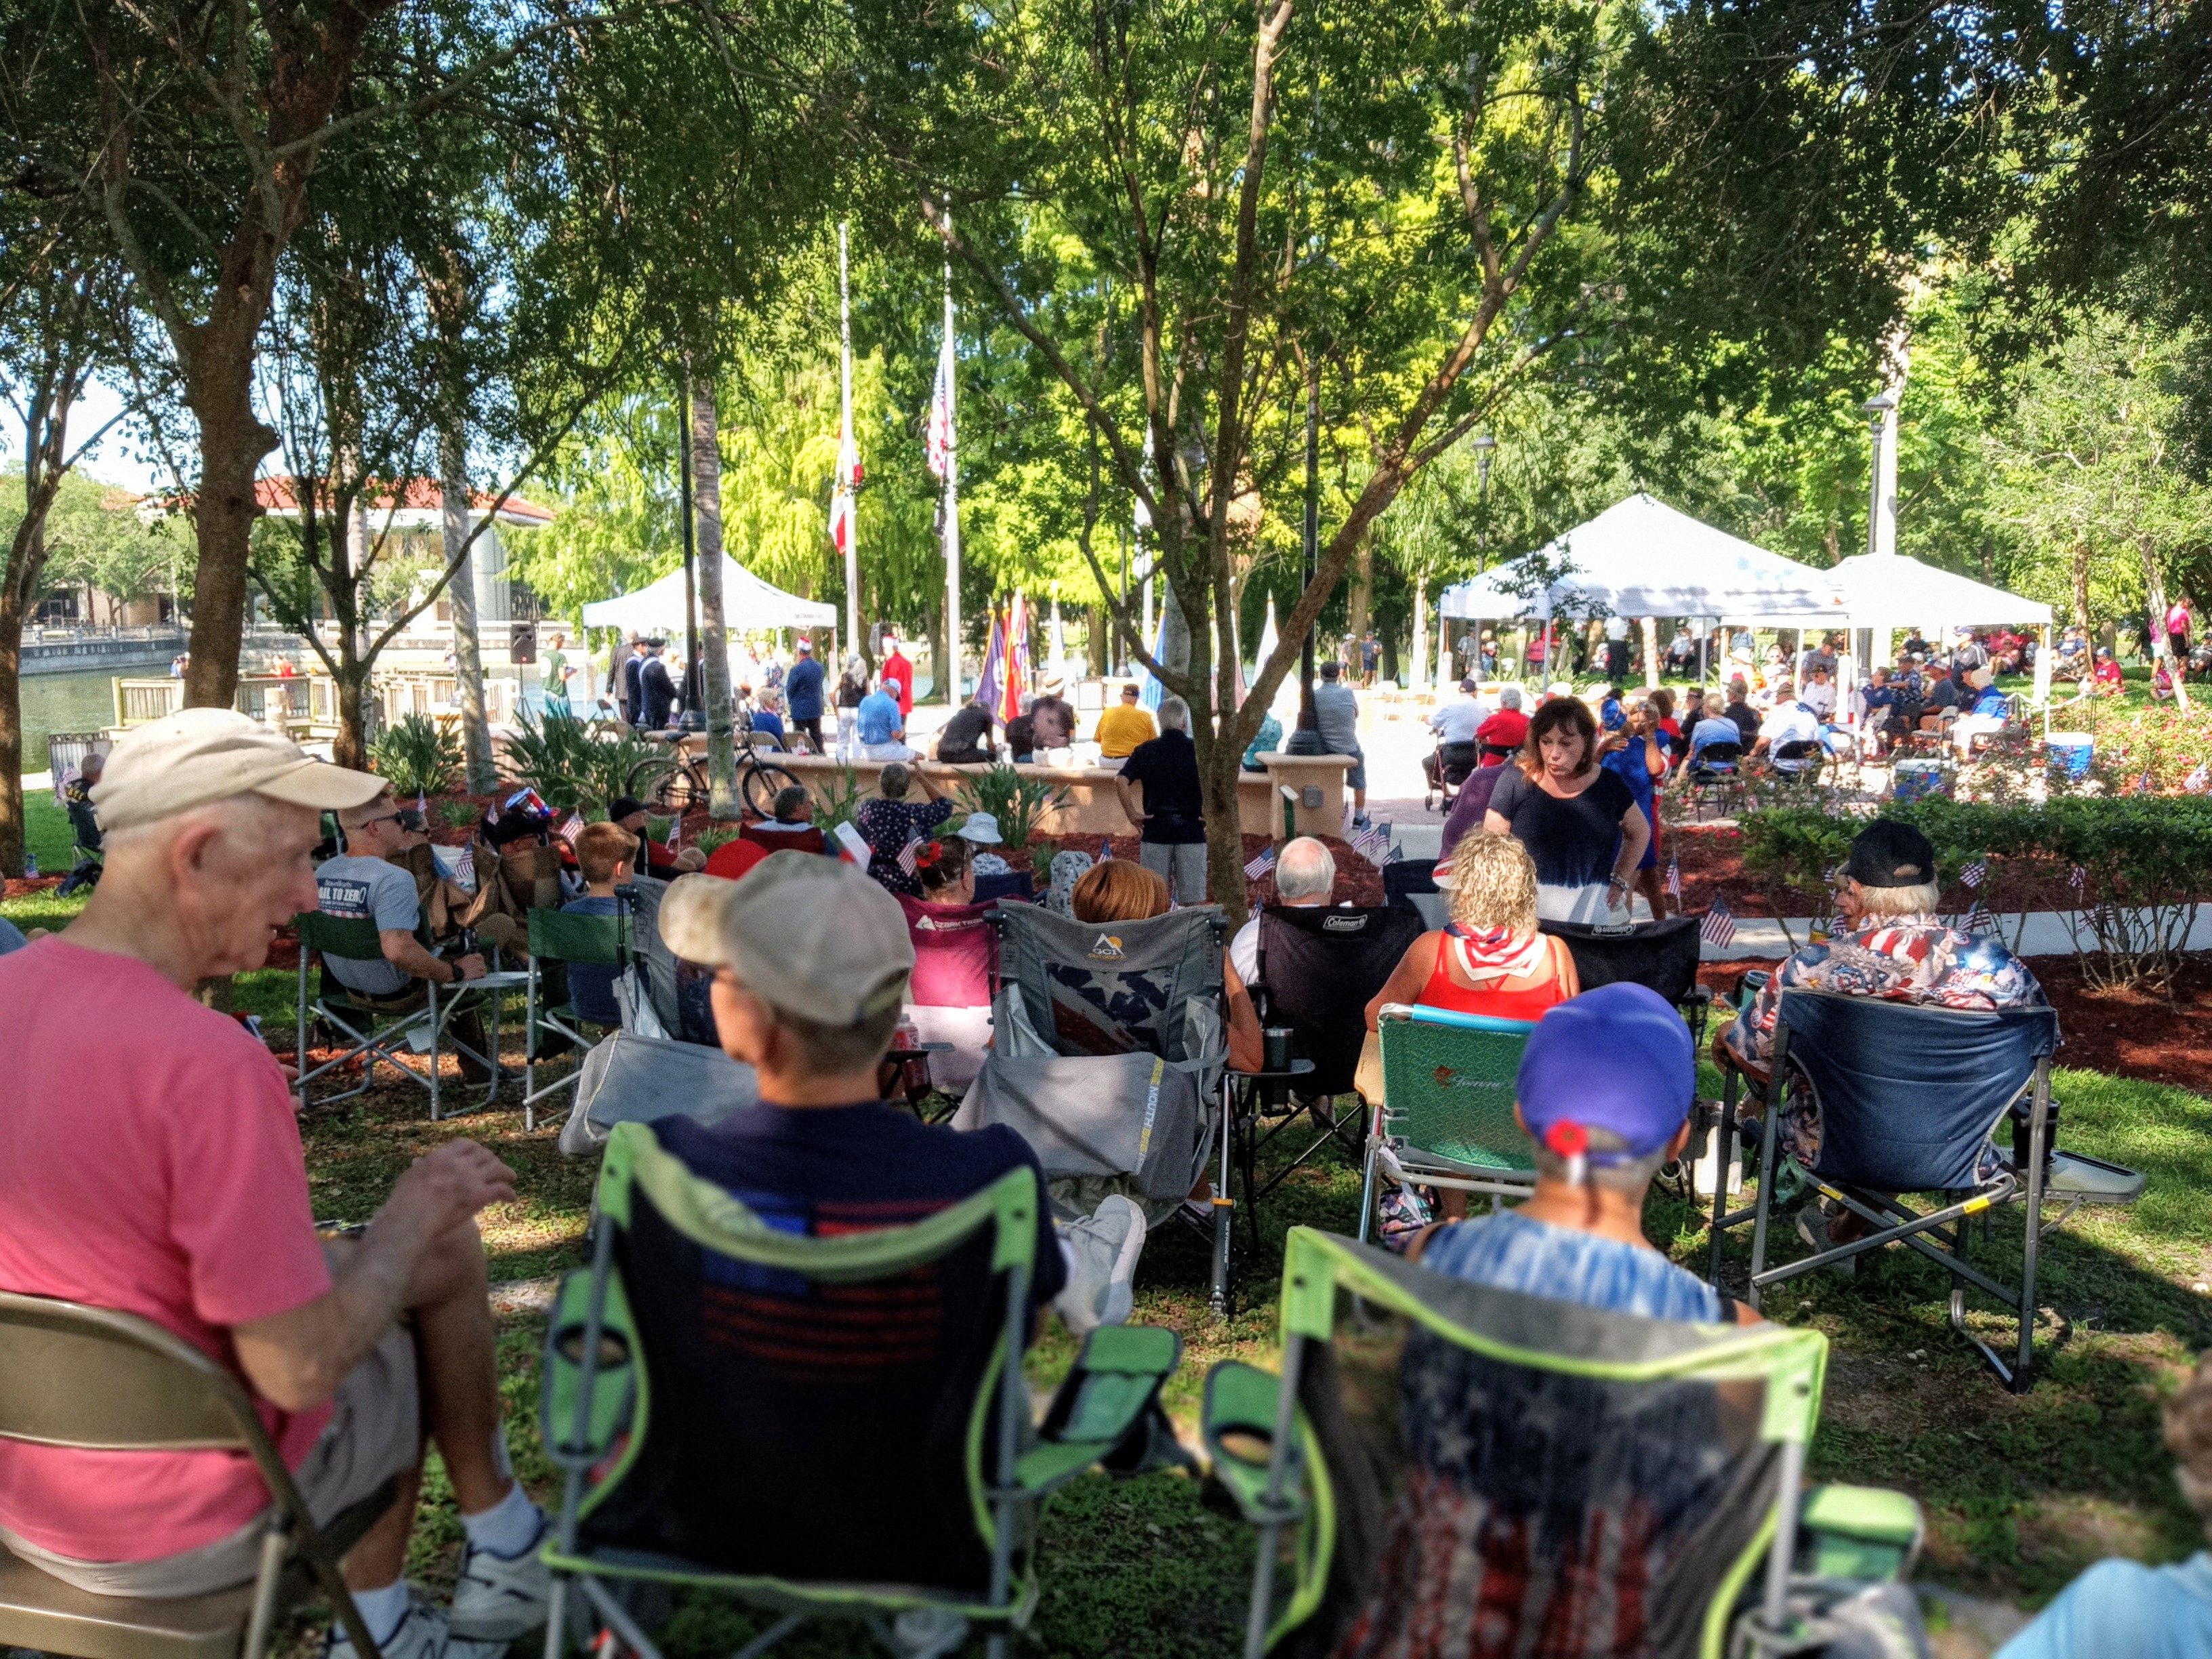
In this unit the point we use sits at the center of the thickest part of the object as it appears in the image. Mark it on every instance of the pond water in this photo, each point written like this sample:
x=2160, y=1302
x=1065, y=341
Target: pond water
x=64, y=702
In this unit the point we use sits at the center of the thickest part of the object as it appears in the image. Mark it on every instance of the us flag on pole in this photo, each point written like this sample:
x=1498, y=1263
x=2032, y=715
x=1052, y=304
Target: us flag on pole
x=574, y=827
x=1673, y=879
x=1259, y=865
x=1718, y=927
x=938, y=444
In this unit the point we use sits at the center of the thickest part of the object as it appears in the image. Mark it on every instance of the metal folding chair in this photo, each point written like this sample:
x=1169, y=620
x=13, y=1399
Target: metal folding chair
x=1446, y=1118
x=100, y=1380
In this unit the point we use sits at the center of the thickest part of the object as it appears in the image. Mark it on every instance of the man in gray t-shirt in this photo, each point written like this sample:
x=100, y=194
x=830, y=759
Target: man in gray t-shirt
x=1336, y=711
x=364, y=883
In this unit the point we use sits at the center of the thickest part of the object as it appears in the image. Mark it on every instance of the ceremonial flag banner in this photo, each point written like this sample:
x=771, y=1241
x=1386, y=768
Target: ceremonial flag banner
x=1016, y=660
x=991, y=679
x=1719, y=926
x=940, y=441
x=842, y=503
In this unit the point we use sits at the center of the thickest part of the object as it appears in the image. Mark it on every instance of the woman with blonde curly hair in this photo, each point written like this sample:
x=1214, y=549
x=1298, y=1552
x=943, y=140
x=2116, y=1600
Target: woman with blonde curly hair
x=1490, y=960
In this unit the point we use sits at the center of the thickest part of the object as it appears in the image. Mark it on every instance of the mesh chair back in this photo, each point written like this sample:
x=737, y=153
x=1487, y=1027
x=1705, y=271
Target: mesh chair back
x=1448, y=1085
x=1908, y=1093
x=91, y=1377
x=817, y=1405
x=601, y=940
x=1515, y=1475
x=1662, y=955
x=1112, y=988
x=1322, y=969
x=351, y=939
x=1716, y=758
x=1402, y=880
x=643, y=896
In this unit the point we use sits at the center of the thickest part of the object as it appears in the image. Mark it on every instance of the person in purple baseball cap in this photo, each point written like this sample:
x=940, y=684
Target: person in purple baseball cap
x=1604, y=1091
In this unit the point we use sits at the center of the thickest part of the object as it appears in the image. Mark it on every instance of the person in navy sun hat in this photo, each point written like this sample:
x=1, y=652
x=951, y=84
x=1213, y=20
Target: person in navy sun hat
x=1604, y=1091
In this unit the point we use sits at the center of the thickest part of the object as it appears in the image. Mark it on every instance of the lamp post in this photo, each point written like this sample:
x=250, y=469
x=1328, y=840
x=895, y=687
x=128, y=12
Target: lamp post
x=1306, y=740
x=1879, y=409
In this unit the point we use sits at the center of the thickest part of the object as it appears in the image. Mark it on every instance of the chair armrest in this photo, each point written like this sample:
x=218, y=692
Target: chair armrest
x=614, y=1378
x=1238, y=1426
x=1866, y=1534
x=1107, y=1410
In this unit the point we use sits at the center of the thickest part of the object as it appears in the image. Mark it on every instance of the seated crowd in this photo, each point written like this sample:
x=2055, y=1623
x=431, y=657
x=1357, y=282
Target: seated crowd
x=135, y=1103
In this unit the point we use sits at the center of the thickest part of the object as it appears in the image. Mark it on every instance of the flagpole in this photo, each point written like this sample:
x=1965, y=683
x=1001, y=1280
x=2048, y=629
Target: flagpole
x=845, y=430
x=951, y=511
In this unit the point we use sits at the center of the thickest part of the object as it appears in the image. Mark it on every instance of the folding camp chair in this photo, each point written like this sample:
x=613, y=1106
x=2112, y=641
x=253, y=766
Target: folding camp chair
x=356, y=939
x=1107, y=1055
x=599, y=941
x=1411, y=884
x=1661, y=956
x=1318, y=971
x=1908, y=1097
x=1709, y=774
x=1461, y=1469
x=99, y=1380
x=1446, y=1118
x=838, y=1426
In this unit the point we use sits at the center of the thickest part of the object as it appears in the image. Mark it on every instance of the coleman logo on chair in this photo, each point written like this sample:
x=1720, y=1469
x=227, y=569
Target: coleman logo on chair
x=1106, y=947
x=1344, y=924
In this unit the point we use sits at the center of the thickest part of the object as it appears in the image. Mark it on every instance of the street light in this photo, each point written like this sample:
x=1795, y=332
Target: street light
x=1306, y=738
x=1877, y=409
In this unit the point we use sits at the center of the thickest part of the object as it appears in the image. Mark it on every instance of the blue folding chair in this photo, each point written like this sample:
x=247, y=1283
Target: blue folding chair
x=1908, y=1097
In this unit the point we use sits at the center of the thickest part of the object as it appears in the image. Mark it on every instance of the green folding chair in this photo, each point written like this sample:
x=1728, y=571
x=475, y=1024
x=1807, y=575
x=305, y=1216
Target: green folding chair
x=99, y=1380
x=1442, y=1467
x=1446, y=1118
x=376, y=1033
x=824, y=1427
x=601, y=941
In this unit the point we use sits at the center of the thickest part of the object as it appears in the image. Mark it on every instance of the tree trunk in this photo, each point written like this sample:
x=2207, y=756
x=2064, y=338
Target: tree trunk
x=2081, y=572
x=218, y=385
x=713, y=639
x=468, y=656
x=1389, y=643
x=1219, y=762
x=1650, y=628
x=13, y=828
x=1355, y=598
x=1416, y=679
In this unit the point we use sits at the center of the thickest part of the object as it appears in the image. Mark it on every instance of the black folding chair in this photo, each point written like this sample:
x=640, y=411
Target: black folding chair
x=1318, y=971
x=1908, y=1096
x=1662, y=955
x=1411, y=884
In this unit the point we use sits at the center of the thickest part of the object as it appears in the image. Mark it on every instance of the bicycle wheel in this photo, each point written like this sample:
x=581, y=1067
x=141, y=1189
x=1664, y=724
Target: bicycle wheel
x=665, y=782
x=759, y=782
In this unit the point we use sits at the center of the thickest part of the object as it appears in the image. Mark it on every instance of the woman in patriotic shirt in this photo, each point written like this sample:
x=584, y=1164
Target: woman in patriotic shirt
x=1893, y=945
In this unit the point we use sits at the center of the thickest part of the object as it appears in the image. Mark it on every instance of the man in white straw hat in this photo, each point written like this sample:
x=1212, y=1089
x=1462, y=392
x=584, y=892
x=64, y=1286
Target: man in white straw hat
x=149, y=1162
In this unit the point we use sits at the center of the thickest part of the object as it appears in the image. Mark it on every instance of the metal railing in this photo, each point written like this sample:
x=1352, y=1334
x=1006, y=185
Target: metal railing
x=310, y=700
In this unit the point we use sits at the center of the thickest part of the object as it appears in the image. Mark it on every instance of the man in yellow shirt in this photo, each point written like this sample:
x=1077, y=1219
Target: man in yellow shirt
x=1121, y=729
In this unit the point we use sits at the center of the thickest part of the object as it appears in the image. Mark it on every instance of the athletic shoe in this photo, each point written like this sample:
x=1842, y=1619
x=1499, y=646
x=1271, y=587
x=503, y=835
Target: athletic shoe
x=1813, y=1228
x=501, y=1597
x=424, y=1633
x=1102, y=1252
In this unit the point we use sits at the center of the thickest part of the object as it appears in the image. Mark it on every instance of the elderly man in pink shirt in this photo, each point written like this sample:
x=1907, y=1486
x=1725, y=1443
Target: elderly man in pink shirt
x=149, y=1162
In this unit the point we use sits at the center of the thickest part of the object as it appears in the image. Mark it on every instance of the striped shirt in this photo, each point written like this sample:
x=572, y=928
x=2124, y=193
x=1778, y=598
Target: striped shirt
x=1511, y=1253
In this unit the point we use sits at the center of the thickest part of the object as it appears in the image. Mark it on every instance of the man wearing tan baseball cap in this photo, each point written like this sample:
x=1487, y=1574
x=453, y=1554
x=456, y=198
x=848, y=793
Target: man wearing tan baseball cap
x=149, y=1162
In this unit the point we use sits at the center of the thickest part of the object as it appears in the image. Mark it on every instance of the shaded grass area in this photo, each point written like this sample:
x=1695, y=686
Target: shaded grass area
x=2020, y=1492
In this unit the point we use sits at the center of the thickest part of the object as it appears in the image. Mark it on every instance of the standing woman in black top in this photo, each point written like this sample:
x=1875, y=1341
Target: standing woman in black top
x=1578, y=821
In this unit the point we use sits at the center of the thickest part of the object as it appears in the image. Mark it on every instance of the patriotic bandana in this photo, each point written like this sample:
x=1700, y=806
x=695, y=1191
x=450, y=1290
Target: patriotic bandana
x=1496, y=953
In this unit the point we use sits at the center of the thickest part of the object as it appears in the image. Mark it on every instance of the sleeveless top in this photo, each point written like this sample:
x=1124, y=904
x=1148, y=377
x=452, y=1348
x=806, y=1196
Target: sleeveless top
x=1528, y=1003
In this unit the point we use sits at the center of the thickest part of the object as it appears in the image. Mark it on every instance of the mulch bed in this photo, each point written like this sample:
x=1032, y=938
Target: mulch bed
x=16, y=887
x=2131, y=1034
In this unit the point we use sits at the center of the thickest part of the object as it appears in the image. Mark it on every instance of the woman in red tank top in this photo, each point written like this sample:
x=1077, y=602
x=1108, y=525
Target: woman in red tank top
x=1491, y=960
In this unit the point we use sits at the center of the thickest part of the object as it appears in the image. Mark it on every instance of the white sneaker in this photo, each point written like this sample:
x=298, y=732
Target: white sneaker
x=424, y=1633
x=1101, y=1251
x=499, y=1598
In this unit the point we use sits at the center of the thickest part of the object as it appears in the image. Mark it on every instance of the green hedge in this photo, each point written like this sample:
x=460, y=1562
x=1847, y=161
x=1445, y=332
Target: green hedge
x=2146, y=863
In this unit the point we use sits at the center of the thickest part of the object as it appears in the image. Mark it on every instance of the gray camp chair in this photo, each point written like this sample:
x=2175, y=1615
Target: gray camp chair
x=602, y=941
x=96, y=1379
x=1107, y=1055
x=1909, y=1097
x=377, y=1034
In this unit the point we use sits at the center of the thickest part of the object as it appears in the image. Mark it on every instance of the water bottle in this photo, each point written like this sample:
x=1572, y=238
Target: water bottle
x=30, y=865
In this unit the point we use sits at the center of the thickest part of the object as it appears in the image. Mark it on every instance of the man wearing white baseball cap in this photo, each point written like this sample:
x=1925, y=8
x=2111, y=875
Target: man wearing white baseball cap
x=149, y=1162
x=811, y=960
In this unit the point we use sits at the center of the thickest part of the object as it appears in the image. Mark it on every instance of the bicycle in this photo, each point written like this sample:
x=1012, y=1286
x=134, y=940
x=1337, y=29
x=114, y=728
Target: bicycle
x=676, y=782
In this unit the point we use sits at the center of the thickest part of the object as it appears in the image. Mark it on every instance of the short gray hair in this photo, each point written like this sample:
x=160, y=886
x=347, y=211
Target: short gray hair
x=1918, y=901
x=1175, y=715
x=891, y=781
x=1510, y=697
x=1629, y=1175
x=1307, y=870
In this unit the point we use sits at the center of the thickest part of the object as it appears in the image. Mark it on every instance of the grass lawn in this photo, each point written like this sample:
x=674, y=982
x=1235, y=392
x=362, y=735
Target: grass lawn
x=2020, y=1494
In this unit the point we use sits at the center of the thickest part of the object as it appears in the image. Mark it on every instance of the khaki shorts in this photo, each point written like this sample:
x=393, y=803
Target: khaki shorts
x=373, y=1434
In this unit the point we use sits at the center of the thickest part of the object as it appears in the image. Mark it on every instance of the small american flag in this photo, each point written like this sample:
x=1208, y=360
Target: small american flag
x=1975, y=873
x=1259, y=865
x=1718, y=927
x=675, y=830
x=421, y=805
x=2143, y=787
x=464, y=870
x=1393, y=856
x=1105, y=848
x=2198, y=781
x=1673, y=879
x=1976, y=920
x=1369, y=843
x=909, y=858
x=574, y=827
x=2078, y=876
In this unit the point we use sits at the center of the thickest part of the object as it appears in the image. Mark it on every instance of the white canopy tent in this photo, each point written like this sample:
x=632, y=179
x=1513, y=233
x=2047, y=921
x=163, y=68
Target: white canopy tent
x=1641, y=558
x=748, y=603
